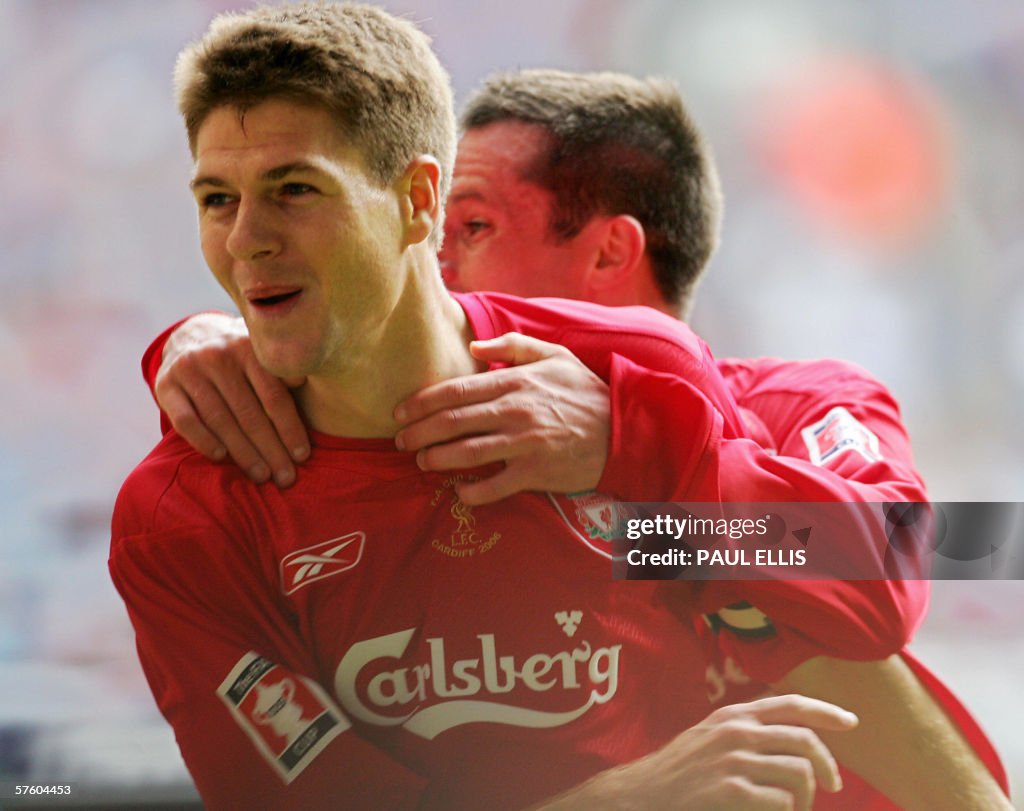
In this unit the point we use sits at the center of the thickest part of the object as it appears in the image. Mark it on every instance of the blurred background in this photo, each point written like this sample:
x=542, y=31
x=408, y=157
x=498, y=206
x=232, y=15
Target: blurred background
x=870, y=152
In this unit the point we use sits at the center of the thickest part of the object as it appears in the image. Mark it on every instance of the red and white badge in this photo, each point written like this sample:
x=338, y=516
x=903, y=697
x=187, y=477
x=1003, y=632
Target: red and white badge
x=837, y=433
x=596, y=519
x=289, y=718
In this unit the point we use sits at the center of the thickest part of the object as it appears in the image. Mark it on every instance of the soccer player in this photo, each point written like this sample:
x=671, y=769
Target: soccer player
x=519, y=221
x=325, y=250
x=357, y=640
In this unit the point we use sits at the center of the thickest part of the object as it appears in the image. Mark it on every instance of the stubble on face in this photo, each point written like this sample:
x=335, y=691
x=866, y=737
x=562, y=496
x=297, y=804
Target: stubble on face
x=297, y=232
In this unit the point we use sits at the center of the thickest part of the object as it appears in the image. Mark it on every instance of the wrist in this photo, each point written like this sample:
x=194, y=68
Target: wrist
x=200, y=329
x=610, y=790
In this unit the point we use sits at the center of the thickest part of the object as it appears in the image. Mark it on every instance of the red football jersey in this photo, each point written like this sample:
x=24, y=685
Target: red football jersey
x=268, y=640
x=365, y=637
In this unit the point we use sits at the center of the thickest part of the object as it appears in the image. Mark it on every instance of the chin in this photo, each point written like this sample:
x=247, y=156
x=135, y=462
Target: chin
x=281, y=364
x=286, y=371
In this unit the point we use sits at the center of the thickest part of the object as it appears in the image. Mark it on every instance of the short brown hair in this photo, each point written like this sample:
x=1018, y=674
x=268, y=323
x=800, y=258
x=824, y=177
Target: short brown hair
x=374, y=73
x=617, y=145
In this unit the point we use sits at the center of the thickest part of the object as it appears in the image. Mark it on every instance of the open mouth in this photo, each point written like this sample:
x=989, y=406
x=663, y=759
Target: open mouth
x=274, y=298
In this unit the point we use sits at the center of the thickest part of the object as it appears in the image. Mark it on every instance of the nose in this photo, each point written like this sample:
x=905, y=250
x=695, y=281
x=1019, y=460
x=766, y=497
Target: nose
x=253, y=235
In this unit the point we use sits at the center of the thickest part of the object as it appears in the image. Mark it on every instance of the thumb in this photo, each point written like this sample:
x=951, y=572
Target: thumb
x=514, y=349
x=293, y=382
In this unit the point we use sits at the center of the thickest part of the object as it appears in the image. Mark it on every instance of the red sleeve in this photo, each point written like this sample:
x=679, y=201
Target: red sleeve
x=151, y=360
x=664, y=435
x=254, y=726
x=850, y=619
x=693, y=461
x=677, y=435
x=669, y=442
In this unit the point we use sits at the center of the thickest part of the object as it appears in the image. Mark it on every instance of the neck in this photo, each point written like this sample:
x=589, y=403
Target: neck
x=424, y=340
x=638, y=287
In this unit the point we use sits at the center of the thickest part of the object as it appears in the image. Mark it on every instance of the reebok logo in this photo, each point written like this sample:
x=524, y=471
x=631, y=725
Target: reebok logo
x=323, y=560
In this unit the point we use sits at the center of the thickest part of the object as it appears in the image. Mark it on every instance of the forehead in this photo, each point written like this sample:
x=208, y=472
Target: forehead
x=269, y=130
x=493, y=160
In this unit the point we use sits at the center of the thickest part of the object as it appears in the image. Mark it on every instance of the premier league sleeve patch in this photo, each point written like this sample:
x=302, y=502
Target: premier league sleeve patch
x=838, y=433
x=288, y=718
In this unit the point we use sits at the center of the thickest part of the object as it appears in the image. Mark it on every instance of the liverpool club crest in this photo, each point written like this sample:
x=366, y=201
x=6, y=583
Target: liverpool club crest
x=596, y=518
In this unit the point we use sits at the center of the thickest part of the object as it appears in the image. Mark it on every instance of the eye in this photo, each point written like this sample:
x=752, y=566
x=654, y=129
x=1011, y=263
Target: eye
x=473, y=228
x=296, y=189
x=215, y=200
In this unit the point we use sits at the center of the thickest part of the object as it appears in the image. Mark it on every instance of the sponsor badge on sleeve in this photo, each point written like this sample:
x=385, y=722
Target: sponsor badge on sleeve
x=288, y=718
x=838, y=433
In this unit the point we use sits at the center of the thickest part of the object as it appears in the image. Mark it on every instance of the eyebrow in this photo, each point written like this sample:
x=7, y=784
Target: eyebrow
x=457, y=197
x=277, y=173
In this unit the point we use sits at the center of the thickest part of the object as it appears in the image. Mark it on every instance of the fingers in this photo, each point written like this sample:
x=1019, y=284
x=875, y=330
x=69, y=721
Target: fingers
x=286, y=438
x=789, y=744
x=467, y=453
x=494, y=488
x=794, y=775
x=502, y=416
x=223, y=402
x=178, y=408
x=453, y=393
x=548, y=420
x=802, y=711
x=740, y=794
x=511, y=348
x=217, y=415
x=784, y=728
x=514, y=349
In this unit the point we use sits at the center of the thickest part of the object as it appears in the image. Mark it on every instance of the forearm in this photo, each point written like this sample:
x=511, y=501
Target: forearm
x=603, y=792
x=906, y=746
x=756, y=756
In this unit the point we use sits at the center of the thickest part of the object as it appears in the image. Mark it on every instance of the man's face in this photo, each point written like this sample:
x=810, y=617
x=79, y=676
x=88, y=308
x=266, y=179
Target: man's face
x=496, y=227
x=304, y=241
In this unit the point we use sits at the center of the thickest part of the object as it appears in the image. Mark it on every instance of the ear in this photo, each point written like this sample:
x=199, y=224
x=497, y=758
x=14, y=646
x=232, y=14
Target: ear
x=419, y=188
x=621, y=249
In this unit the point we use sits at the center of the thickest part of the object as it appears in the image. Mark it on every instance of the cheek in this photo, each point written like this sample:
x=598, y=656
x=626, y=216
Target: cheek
x=216, y=255
x=526, y=271
x=494, y=267
x=208, y=240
